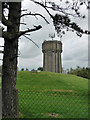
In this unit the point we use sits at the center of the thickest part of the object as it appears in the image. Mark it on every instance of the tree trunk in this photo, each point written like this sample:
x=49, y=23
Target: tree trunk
x=9, y=70
x=9, y=92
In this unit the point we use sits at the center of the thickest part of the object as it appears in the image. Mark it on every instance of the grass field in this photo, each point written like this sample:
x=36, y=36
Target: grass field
x=52, y=95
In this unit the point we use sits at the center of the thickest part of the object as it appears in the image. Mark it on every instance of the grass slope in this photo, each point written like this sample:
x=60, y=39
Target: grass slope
x=46, y=95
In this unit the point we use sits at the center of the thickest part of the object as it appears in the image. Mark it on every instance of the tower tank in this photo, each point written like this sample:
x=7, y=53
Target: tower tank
x=52, y=56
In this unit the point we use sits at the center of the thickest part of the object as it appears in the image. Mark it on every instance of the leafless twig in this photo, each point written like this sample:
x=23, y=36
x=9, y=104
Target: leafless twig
x=35, y=14
x=30, y=40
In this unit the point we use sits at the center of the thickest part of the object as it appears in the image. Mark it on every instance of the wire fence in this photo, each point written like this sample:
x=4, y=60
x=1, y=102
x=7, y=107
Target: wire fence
x=52, y=104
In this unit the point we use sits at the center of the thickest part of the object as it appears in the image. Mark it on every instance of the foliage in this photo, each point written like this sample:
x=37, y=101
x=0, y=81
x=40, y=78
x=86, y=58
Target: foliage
x=22, y=69
x=27, y=69
x=40, y=68
x=82, y=72
x=61, y=19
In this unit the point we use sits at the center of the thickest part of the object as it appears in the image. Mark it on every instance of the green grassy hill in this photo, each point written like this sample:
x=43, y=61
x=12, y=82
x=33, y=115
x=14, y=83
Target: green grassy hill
x=51, y=81
x=46, y=94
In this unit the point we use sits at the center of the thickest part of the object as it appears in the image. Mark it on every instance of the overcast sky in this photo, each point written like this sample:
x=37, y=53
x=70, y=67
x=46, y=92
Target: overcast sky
x=75, y=49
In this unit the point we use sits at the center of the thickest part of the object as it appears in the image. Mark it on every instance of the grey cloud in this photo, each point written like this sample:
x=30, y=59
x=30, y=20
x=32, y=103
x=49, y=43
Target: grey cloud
x=75, y=49
x=31, y=63
x=28, y=50
x=74, y=64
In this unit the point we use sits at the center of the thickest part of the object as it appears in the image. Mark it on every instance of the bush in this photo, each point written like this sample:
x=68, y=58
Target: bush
x=82, y=72
x=22, y=69
x=40, y=68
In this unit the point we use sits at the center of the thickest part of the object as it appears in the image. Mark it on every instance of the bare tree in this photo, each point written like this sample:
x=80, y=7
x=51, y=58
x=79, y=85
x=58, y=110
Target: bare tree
x=12, y=34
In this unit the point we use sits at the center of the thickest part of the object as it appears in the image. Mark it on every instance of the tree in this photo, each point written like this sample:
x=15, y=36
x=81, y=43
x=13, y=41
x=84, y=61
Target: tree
x=27, y=69
x=40, y=68
x=22, y=69
x=67, y=71
x=82, y=72
x=12, y=34
x=78, y=67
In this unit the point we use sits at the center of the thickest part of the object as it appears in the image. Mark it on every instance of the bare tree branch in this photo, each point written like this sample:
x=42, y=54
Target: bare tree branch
x=23, y=10
x=29, y=30
x=1, y=51
x=43, y=7
x=27, y=34
x=22, y=23
x=35, y=14
x=63, y=11
x=55, y=8
x=6, y=22
x=30, y=40
x=11, y=36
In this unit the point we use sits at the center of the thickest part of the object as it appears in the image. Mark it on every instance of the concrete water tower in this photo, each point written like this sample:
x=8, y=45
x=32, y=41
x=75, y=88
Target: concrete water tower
x=52, y=56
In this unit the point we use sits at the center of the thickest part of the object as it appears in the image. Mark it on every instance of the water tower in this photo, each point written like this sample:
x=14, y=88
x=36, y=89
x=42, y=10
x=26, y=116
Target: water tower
x=52, y=50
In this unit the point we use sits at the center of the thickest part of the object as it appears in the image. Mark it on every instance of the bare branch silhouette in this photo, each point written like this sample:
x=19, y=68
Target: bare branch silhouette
x=31, y=40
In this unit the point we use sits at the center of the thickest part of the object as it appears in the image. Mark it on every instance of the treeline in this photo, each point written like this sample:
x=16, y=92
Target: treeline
x=82, y=72
x=39, y=68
